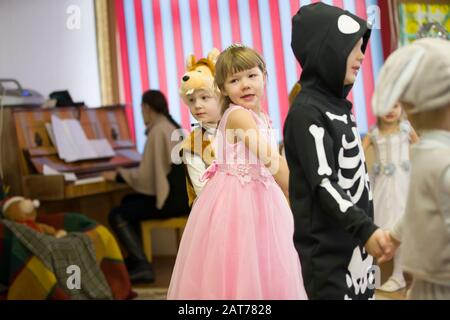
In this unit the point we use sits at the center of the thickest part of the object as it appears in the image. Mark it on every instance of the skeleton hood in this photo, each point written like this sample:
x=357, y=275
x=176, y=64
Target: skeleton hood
x=322, y=38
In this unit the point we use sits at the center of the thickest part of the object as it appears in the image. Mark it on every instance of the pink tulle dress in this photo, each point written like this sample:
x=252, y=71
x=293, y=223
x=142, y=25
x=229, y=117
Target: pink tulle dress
x=238, y=241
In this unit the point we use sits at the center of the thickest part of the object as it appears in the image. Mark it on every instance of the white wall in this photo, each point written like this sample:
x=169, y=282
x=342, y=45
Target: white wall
x=42, y=53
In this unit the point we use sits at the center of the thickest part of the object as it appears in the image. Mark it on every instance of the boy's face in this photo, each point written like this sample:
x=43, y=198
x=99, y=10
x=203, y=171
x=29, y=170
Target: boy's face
x=354, y=62
x=204, y=106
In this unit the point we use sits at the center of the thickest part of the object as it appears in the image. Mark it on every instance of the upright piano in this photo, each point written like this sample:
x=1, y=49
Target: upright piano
x=26, y=146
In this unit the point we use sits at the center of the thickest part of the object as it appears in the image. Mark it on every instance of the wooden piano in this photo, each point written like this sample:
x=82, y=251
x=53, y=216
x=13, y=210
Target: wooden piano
x=27, y=147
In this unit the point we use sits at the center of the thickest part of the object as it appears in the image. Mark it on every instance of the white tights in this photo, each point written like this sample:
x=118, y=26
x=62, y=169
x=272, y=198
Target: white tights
x=397, y=271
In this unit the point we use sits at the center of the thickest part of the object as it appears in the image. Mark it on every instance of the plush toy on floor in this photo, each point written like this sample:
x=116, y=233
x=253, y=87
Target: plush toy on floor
x=23, y=211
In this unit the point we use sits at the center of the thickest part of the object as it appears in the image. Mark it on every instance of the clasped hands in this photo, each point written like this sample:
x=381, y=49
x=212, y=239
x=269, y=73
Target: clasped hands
x=382, y=245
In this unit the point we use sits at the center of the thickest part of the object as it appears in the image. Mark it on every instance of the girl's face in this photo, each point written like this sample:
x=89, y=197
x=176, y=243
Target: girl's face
x=204, y=106
x=394, y=115
x=246, y=88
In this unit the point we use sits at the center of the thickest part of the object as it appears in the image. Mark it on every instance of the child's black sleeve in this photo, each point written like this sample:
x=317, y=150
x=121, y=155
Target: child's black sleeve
x=314, y=149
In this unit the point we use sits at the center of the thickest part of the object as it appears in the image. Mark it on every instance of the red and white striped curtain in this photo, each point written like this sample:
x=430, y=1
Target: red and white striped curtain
x=156, y=36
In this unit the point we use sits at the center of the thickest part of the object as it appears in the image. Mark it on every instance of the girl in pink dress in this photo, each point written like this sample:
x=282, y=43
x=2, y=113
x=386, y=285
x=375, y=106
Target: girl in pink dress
x=238, y=242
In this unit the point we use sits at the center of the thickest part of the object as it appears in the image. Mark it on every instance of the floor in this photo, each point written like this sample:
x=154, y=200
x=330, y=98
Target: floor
x=163, y=267
x=386, y=271
x=398, y=295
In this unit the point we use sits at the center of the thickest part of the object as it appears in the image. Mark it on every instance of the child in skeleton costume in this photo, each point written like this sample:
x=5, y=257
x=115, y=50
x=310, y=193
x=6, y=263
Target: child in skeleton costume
x=418, y=75
x=390, y=141
x=202, y=97
x=329, y=188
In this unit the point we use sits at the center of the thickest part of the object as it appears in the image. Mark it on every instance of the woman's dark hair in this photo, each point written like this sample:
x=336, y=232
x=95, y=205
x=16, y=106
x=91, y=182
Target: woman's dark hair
x=156, y=100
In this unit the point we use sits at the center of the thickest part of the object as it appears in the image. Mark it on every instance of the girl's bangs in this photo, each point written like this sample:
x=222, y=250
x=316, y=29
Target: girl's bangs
x=239, y=62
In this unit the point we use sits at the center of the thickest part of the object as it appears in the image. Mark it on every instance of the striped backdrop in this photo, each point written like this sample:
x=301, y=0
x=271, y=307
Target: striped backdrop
x=156, y=36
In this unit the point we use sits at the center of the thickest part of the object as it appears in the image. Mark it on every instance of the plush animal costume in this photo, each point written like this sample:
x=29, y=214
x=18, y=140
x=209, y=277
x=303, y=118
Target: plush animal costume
x=329, y=187
x=197, y=150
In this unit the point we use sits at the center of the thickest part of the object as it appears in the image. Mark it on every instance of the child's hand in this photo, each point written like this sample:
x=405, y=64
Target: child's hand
x=393, y=244
x=379, y=245
x=393, y=240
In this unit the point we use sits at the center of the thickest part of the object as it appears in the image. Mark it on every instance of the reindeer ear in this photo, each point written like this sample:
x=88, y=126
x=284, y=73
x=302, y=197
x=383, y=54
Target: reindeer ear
x=190, y=61
x=213, y=55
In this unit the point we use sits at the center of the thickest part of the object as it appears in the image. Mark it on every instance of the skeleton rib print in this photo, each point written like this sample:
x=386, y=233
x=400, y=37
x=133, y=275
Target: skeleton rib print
x=354, y=164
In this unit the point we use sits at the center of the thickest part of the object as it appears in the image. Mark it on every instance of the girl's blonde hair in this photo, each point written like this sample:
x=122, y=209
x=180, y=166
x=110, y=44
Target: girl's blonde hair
x=235, y=58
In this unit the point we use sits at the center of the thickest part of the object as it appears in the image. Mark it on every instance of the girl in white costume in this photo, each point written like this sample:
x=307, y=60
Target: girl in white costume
x=389, y=175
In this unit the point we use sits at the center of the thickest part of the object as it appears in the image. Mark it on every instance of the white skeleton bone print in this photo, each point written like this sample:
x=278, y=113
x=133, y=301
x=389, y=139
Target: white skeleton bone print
x=324, y=168
x=353, y=163
x=318, y=134
x=359, y=276
x=342, y=118
x=343, y=204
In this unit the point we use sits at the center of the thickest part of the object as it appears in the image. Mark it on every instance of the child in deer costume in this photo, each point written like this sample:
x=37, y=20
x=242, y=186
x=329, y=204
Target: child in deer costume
x=202, y=97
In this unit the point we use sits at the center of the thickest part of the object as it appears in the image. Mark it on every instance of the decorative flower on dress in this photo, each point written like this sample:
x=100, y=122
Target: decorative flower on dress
x=242, y=172
x=377, y=168
x=247, y=173
x=389, y=169
x=406, y=165
x=210, y=171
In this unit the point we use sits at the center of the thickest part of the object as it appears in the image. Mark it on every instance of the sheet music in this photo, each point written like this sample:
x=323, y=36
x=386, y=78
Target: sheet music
x=102, y=148
x=80, y=182
x=49, y=171
x=73, y=145
x=49, y=128
x=81, y=147
x=69, y=176
x=63, y=140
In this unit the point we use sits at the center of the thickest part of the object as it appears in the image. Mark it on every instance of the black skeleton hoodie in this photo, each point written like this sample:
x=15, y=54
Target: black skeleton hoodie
x=328, y=185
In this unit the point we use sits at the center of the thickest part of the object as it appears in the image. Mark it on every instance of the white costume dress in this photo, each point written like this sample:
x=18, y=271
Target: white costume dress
x=390, y=174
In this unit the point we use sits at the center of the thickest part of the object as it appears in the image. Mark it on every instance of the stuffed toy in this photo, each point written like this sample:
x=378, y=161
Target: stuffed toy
x=23, y=211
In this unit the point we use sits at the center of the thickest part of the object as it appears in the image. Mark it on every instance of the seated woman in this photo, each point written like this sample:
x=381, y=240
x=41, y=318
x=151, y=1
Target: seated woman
x=159, y=185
